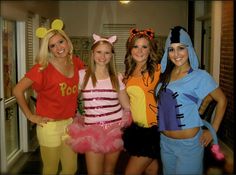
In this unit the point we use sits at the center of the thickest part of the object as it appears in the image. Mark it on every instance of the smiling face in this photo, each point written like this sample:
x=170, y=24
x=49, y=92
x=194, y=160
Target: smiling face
x=58, y=46
x=178, y=54
x=141, y=51
x=102, y=54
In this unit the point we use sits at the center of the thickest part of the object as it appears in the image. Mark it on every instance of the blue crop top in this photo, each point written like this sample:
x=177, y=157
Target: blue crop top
x=179, y=102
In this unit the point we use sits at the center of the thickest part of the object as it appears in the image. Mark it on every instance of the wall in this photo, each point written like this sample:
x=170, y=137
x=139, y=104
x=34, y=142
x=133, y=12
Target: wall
x=227, y=72
x=86, y=17
x=226, y=81
x=17, y=10
x=216, y=23
x=82, y=18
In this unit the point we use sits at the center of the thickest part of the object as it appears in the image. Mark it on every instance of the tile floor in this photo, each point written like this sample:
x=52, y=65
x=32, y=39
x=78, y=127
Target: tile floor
x=31, y=164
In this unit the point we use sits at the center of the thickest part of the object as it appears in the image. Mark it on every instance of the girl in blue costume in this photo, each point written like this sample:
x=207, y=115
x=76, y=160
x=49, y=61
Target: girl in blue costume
x=180, y=92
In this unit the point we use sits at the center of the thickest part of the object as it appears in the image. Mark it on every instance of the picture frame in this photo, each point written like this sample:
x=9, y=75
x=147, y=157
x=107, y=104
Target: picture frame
x=82, y=46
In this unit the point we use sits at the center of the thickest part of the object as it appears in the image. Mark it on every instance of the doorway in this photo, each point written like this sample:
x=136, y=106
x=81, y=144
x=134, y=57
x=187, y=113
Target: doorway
x=12, y=138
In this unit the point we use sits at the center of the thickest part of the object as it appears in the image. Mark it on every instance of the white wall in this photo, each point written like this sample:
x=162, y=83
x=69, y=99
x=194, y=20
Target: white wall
x=18, y=10
x=216, y=39
x=82, y=18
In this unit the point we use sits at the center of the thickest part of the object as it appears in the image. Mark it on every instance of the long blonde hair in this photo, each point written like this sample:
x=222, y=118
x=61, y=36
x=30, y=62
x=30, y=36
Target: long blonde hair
x=90, y=72
x=44, y=53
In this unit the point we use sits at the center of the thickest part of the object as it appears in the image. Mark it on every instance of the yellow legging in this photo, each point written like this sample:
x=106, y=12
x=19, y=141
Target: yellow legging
x=52, y=155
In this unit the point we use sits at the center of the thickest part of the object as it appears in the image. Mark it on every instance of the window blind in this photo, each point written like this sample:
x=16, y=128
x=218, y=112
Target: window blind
x=122, y=33
x=29, y=43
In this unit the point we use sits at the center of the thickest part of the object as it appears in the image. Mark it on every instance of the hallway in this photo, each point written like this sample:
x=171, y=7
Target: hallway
x=31, y=164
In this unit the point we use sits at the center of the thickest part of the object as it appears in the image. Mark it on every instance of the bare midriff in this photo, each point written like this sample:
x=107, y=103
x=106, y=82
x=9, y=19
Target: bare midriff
x=182, y=134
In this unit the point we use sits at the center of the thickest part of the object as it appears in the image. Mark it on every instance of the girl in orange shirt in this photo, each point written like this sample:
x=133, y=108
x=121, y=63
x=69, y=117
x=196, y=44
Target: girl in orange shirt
x=142, y=72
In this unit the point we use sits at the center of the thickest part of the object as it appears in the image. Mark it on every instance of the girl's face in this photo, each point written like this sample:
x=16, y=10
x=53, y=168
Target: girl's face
x=102, y=54
x=140, y=51
x=178, y=54
x=58, y=46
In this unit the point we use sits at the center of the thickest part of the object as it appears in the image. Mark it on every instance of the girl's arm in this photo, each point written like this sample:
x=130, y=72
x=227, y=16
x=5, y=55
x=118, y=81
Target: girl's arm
x=221, y=100
x=204, y=104
x=19, y=91
x=124, y=99
x=221, y=105
x=125, y=103
x=122, y=94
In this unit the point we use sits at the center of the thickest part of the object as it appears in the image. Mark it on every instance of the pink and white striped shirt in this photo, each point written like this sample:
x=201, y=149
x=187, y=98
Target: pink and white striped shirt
x=101, y=103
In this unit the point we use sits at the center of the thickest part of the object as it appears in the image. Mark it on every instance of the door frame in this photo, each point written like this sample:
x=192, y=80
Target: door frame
x=5, y=162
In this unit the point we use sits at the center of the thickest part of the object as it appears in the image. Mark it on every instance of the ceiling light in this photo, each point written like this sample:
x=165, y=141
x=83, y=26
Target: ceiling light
x=124, y=2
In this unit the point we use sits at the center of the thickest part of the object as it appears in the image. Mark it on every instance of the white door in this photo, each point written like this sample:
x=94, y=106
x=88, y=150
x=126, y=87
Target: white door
x=10, y=120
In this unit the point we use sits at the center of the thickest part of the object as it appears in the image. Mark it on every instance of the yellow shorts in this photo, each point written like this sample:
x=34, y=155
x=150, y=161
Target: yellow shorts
x=53, y=133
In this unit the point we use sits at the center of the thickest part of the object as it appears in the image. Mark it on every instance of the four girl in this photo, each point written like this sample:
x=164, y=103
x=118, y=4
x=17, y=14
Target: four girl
x=108, y=97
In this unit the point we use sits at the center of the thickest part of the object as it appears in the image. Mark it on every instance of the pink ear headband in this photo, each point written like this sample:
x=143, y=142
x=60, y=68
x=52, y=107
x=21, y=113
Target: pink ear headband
x=97, y=38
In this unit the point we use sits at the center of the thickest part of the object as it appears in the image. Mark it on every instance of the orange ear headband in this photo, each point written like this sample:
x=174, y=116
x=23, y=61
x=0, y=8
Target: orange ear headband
x=147, y=32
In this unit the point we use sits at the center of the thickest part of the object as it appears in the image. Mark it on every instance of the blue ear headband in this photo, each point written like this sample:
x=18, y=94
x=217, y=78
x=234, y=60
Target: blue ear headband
x=179, y=35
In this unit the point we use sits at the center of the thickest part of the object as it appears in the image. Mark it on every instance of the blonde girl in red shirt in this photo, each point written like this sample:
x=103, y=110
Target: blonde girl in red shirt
x=55, y=79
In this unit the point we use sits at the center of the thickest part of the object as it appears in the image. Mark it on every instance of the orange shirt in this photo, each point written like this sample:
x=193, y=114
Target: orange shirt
x=56, y=94
x=142, y=98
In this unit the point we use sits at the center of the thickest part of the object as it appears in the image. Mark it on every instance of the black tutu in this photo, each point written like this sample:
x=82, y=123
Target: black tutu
x=140, y=141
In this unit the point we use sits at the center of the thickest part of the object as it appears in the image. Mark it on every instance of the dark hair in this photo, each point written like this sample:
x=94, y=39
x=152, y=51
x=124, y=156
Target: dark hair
x=165, y=76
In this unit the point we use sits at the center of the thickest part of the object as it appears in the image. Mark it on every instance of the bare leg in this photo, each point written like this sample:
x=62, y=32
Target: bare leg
x=152, y=168
x=110, y=162
x=137, y=165
x=94, y=162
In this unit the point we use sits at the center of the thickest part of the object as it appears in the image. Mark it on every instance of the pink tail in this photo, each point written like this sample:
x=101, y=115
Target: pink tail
x=217, y=152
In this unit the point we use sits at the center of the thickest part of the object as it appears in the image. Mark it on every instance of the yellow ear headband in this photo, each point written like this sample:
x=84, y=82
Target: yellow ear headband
x=57, y=24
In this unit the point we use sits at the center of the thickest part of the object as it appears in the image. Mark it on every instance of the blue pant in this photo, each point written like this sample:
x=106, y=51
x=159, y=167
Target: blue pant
x=182, y=156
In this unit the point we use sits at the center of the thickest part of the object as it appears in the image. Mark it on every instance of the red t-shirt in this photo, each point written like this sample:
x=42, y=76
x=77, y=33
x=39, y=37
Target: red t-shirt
x=56, y=94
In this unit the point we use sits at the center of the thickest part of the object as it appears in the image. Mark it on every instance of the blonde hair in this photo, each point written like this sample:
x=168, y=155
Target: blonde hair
x=90, y=72
x=44, y=53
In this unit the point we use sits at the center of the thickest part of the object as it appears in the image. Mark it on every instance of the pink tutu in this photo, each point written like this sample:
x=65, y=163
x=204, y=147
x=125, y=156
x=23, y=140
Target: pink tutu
x=100, y=138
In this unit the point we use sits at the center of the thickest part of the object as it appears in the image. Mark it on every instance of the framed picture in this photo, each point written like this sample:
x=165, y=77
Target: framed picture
x=82, y=46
